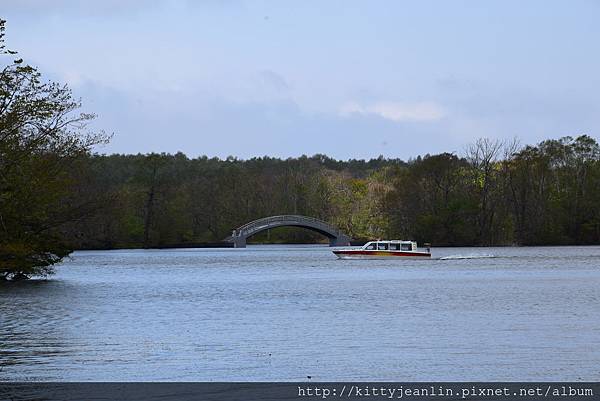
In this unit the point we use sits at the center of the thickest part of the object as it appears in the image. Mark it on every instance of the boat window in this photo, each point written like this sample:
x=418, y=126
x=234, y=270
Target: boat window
x=371, y=247
x=407, y=247
x=395, y=247
x=382, y=246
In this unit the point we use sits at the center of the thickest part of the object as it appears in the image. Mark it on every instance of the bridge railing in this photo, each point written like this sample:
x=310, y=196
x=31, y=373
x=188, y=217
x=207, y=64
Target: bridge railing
x=253, y=225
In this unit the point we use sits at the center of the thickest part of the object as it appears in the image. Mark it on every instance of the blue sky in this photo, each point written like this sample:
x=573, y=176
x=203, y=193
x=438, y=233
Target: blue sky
x=351, y=79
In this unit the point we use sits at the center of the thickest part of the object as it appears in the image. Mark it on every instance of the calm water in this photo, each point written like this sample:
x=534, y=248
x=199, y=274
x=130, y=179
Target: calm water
x=285, y=312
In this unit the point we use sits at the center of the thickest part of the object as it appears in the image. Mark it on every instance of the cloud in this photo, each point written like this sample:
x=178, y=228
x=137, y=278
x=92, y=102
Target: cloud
x=197, y=125
x=274, y=81
x=397, y=111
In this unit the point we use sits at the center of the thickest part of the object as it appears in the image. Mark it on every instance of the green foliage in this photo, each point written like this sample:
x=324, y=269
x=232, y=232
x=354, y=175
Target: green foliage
x=41, y=141
x=498, y=194
x=169, y=200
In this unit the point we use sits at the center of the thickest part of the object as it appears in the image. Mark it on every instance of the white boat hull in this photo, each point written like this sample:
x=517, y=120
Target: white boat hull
x=379, y=255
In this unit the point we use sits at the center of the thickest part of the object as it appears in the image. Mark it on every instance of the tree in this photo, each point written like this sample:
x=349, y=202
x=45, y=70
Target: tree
x=483, y=158
x=430, y=201
x=41, y=141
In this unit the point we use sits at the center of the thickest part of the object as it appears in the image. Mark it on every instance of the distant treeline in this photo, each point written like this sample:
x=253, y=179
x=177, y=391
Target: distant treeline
x=497, y=193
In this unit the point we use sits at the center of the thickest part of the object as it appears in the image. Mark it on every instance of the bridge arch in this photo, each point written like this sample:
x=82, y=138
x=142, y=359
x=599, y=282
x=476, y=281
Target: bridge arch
x=242, y=233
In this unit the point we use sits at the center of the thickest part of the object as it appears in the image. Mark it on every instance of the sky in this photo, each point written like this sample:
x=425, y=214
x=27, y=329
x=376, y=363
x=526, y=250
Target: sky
x=350, y=79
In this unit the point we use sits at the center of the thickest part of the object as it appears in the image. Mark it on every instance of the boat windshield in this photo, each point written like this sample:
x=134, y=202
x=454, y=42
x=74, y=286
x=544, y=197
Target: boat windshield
x=390, y=245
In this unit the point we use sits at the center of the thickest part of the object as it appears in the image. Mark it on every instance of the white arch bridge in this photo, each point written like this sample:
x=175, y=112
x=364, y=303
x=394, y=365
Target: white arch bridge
x=242, y=233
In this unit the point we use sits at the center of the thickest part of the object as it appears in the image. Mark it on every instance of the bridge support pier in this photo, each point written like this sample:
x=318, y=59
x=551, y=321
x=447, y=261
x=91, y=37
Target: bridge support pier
x=239, y=242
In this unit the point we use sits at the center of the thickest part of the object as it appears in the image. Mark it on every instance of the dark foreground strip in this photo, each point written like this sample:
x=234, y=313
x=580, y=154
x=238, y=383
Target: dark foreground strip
x=299, y=391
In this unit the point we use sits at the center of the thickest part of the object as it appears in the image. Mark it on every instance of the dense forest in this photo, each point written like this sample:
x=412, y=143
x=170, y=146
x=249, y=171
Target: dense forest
x=494, y=194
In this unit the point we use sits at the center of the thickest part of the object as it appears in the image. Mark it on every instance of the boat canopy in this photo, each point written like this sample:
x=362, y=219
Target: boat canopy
x=393, y=245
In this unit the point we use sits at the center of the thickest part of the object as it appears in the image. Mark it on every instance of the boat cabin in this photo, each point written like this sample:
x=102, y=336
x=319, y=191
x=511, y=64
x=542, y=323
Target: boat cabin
x=393, y=245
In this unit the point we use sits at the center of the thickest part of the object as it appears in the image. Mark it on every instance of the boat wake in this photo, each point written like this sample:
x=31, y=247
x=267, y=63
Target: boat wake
x=469, y=256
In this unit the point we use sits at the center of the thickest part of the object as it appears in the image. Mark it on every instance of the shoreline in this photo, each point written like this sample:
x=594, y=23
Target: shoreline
x=226, y=245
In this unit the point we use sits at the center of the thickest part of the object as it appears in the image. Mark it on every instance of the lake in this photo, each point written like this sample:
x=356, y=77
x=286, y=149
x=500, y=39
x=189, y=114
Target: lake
x=282, y=313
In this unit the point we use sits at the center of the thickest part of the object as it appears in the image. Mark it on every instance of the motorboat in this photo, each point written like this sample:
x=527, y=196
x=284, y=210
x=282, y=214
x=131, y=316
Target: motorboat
x=387, y=249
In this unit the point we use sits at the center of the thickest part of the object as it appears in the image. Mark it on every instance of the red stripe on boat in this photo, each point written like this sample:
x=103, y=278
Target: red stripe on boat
x=381, y=253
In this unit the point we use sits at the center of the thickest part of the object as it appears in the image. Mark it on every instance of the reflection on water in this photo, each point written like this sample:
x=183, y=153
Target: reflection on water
x=282, y=313
x=29, y=333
